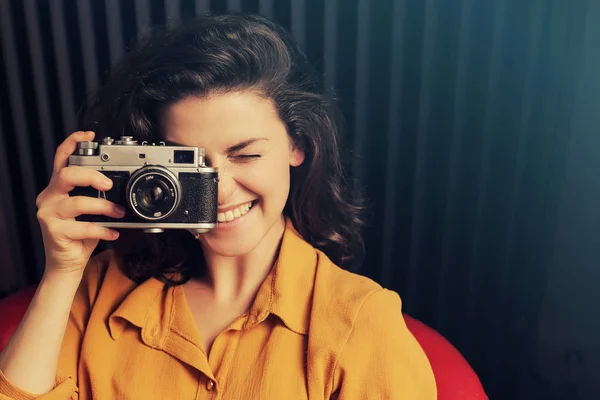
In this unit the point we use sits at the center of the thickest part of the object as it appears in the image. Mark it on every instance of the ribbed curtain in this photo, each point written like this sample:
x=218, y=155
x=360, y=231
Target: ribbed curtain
x=457, y=116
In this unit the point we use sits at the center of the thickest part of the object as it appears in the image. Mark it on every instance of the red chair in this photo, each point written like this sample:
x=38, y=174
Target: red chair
x=12, y=310
x=454, y=377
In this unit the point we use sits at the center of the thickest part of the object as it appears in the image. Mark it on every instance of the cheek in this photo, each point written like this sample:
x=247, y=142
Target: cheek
x=270, y=180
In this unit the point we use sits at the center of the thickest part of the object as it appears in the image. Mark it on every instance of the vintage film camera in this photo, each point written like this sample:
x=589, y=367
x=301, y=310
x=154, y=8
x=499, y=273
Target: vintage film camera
x=161, y=187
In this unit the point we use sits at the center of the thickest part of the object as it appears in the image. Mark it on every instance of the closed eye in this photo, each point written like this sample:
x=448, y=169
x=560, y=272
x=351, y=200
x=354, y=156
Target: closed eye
x=247, y=156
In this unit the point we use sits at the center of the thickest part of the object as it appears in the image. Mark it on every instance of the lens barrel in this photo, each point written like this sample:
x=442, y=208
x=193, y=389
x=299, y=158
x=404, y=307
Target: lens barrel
x=153, y=193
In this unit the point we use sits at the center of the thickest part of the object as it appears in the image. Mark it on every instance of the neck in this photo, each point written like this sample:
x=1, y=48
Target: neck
x=233, y=278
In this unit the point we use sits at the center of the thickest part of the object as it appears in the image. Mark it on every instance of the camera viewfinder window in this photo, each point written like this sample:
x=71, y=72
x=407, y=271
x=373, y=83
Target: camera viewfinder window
x=184, y=156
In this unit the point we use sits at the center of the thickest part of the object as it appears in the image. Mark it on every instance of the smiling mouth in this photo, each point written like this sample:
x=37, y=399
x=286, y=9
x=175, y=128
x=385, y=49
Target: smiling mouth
x=232, y=215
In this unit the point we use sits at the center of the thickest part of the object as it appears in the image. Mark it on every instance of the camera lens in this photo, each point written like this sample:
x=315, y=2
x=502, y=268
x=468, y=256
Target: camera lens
x=153, y=193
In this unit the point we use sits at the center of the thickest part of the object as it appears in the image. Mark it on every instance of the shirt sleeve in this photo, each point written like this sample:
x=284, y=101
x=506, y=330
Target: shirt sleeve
x=381, y=358
x=65, y=387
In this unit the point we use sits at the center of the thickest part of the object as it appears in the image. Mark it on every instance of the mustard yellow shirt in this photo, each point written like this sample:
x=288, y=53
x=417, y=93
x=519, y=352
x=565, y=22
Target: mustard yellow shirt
x=314, y=331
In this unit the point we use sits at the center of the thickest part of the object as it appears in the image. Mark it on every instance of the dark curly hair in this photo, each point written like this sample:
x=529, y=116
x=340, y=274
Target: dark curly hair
x=220, y=54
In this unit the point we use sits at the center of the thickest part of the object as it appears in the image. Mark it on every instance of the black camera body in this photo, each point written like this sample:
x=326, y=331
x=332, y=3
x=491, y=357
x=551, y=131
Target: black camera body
x=161, y=187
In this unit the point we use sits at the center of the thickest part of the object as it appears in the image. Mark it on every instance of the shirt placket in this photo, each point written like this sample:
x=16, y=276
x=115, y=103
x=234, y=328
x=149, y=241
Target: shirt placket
x=183, y=343
x=191, y=354
x=223, y=354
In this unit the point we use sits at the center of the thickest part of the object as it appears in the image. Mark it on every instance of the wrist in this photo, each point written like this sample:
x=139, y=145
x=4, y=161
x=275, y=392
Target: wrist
x=68, y=281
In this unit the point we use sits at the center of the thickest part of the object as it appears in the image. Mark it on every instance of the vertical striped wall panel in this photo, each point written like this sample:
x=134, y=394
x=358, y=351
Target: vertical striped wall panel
x=457, y=117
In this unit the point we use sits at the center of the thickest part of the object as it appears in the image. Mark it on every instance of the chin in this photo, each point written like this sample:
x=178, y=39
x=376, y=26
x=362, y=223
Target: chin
x=243, y=239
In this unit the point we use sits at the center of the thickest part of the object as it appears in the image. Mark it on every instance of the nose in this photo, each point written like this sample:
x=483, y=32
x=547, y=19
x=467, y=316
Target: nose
x=226, y=186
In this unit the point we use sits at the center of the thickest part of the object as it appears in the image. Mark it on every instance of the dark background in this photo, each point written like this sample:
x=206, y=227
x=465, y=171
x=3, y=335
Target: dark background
x=474, y=128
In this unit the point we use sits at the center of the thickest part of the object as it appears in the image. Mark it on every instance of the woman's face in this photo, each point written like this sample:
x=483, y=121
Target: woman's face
x=245, y=139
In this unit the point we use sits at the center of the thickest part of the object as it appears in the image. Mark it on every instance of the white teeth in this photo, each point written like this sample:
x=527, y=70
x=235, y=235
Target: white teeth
x=235, y=213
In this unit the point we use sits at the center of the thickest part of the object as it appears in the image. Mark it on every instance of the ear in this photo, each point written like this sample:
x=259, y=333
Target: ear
x=297, y=156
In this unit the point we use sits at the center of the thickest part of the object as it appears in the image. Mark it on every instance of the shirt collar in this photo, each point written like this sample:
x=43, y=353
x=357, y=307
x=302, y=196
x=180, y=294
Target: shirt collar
x=286, y=292
x=143, y=307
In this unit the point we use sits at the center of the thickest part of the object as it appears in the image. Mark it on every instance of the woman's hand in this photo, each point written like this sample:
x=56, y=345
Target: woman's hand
x=68, y=244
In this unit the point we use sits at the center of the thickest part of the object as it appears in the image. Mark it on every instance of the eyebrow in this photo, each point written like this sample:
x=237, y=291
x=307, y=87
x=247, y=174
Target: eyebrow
x=231, y=149
x=243, y=145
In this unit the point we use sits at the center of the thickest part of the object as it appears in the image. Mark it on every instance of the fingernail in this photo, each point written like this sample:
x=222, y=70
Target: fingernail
x=107, y=182
x=119, y=210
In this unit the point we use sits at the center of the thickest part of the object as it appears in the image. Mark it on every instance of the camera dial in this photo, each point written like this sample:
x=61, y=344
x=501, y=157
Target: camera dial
x=127, y=140
x=87, y=148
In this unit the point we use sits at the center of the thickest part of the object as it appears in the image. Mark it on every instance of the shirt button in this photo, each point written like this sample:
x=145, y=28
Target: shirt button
x=210, y=385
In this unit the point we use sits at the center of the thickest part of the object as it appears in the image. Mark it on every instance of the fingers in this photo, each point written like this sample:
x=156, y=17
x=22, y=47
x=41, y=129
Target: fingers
x=72, y=207
x=68, y=147
x=68, y=178
x=65, y=178
x=75, y=230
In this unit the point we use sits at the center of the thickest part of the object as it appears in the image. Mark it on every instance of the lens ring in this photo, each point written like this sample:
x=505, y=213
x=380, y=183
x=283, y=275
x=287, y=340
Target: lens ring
x=153, y=181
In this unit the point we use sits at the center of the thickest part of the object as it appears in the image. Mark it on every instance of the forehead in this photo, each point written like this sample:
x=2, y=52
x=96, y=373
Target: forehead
x=221, y=119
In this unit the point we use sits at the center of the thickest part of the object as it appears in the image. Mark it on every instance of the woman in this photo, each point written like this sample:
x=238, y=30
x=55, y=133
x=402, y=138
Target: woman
x=253, y=309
